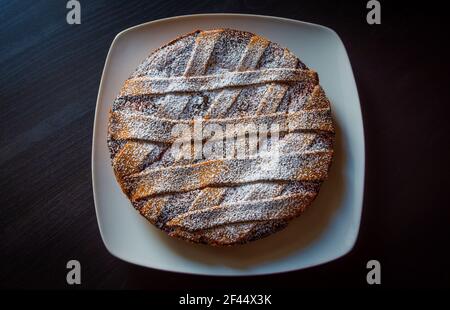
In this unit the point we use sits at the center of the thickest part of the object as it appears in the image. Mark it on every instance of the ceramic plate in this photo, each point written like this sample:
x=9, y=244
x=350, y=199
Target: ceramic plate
x=326, y=231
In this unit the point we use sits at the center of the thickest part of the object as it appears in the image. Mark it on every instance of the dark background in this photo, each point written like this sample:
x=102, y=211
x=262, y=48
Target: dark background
x=50, y=73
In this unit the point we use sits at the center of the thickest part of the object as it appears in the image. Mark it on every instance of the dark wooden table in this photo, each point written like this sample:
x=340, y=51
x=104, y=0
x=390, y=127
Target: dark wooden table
x=50, y=72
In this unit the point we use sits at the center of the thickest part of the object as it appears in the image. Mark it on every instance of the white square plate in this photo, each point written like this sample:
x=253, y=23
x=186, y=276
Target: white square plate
x=324, y=232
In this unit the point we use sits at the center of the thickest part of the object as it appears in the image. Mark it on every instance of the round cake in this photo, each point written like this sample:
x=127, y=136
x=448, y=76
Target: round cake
x=221, y=137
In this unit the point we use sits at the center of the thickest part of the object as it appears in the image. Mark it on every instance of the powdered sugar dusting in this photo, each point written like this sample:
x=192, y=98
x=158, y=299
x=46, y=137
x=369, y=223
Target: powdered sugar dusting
x=226, y=201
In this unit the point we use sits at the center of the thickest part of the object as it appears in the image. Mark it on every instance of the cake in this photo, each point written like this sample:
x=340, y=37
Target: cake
x=221, y=186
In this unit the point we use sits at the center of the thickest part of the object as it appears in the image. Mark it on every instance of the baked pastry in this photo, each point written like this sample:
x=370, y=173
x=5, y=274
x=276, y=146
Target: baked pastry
x=218, y=78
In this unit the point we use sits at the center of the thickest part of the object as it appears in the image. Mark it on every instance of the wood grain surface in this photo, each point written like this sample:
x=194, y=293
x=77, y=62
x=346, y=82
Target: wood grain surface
x=50, y=73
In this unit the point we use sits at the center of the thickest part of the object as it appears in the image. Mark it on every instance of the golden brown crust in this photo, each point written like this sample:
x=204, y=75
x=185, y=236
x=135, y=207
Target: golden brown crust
x=223, y=77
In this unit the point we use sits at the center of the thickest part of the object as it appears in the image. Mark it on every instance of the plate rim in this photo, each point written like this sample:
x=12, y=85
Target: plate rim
x=360, y=200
